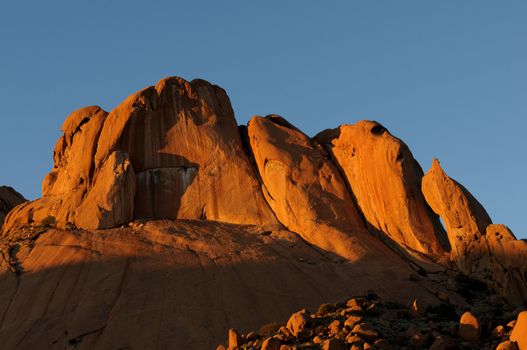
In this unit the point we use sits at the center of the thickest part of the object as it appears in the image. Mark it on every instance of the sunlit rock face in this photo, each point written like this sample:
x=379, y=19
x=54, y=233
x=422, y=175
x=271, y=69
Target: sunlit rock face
x=306, y=190
x=164, y=210
x=385, y=180
x=9, y=198
x=187, y=154
x=168, y=151
x=488, y=252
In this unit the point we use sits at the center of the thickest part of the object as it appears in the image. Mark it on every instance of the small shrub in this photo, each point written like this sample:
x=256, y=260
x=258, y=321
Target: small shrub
x=325, y=309
x=49, y=221
x=269, y=328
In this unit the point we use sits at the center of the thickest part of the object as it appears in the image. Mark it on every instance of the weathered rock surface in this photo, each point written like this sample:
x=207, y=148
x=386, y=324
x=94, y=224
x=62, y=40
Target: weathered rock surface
x=185, y=148
x=386, y=182
x=351, y=201
x=464, y=217
x=485, y=251
x=9, y=198
x=183, y=158
x=306, y=191
x=139, y=286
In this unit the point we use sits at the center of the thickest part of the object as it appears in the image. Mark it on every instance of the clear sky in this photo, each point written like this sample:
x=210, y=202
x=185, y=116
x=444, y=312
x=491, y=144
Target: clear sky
x=448, y=77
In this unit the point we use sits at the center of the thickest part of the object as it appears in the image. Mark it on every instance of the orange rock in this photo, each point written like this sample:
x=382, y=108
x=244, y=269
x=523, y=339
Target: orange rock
x=298, y=322
x=235, y=339
x=519, y=332
x=186, y=150
x=470, y=327
x=306, y=191
x=271, y=344
x=110, y=202
x=386, y=182
x=488, y=252
x=464, y=217
x=183, y=156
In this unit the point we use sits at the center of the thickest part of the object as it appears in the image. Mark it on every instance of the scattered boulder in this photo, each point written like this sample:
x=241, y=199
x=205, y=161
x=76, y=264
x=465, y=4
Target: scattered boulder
x=507, y=345
x=298, y=322
x=271, y=344
x=519, y=332
x=235, y=339
x=470, y=327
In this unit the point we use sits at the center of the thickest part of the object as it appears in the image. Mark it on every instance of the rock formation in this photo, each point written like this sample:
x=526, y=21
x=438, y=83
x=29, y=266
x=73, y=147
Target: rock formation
x=306, y=191
x=175, y=152
x=164, y=209
x=385, y=180
x=9, y=198
x=488, y=252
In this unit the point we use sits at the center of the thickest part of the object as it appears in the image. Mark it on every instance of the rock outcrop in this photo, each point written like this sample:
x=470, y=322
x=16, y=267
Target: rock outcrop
x=164, y=209
x=385, y=180
x=306, y=191
x=169, y=151
x=9, y=198
x=488, y=252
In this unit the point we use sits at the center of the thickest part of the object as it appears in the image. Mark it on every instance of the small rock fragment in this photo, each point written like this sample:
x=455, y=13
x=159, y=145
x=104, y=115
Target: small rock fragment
x=365, y=330
x=499, y=332
x=417, y=308
x=271, y=344
x=352, y=320
x=235, y=340
x=334, y=327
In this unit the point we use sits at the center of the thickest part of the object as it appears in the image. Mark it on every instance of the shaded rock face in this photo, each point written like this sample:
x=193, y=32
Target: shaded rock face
x=168, y=151
x=9, y=198
x=488, y=252
x=171, y=284
x=386, y=182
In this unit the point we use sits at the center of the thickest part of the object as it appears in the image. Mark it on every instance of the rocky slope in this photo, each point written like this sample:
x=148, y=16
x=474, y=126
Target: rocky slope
x=367, y=322
x=163, y=223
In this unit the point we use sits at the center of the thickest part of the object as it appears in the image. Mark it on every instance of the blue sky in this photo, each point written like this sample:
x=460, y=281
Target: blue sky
x=447, y=77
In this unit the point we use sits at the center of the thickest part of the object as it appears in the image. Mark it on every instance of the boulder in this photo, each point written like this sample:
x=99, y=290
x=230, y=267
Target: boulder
x=235, y=339
x=271, y=344
x=9, y=198
x=470, y=327
x=298, y=322
x=168, y=151
x=507, y=345
x=519, y=332
x=385, y=180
